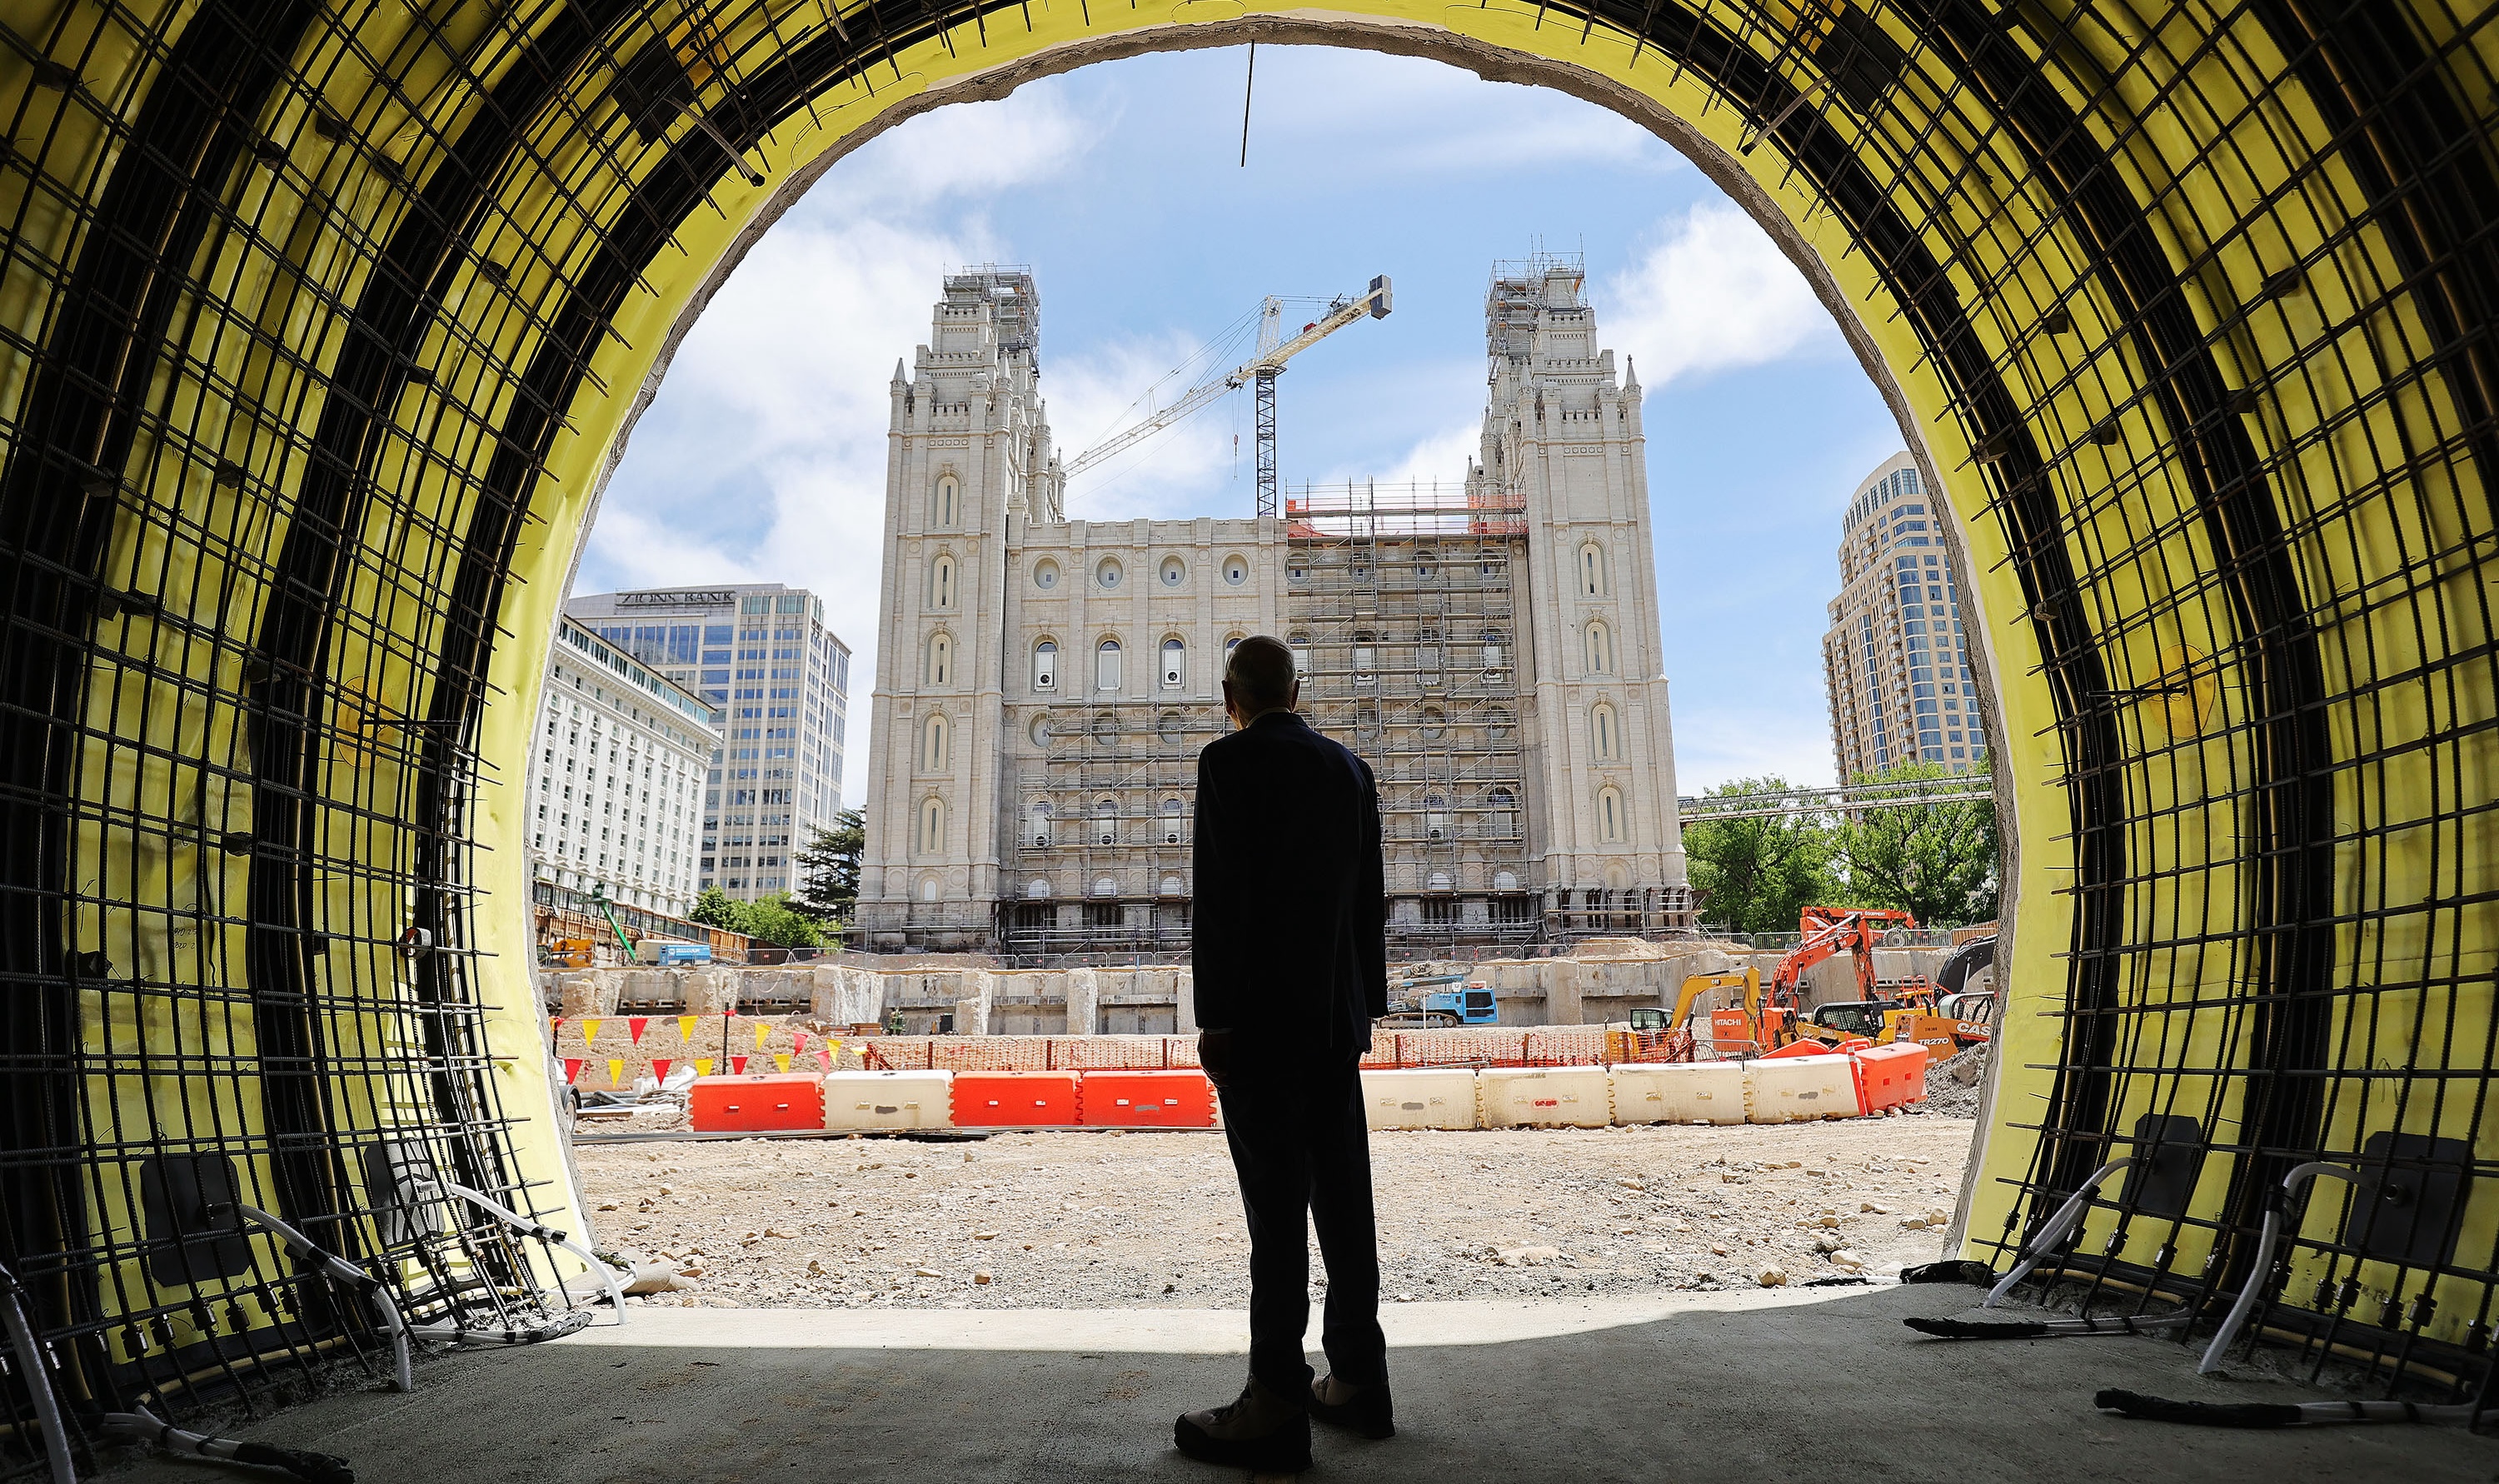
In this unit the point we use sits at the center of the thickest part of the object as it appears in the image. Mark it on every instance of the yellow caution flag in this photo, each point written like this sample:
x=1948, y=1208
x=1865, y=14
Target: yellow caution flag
x=762, y=1029
x=702, y=1066
x=686, y=1027
x=589, y=1031
x=781, y=1059
x=615, y=1072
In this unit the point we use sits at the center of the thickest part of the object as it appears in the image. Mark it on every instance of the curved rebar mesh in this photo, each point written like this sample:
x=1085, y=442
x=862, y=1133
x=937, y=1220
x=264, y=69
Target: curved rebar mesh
x=319, y=323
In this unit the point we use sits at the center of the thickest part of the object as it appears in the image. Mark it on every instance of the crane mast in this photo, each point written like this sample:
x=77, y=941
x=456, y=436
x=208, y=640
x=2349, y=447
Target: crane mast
x=1260, y=372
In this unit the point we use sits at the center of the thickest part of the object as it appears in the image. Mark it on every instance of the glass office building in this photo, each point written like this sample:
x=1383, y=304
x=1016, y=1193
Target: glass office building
x=778, y=681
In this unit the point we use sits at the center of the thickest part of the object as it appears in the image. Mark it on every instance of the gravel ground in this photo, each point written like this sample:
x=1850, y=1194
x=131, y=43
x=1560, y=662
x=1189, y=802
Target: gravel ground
x=1104, y=1219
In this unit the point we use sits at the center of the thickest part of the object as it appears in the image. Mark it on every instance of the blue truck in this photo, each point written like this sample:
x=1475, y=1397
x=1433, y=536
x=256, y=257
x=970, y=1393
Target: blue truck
x=670, y=954
x=1418, y=1002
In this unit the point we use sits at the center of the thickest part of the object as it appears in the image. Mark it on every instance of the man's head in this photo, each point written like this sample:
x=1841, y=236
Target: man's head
x=1259, y=677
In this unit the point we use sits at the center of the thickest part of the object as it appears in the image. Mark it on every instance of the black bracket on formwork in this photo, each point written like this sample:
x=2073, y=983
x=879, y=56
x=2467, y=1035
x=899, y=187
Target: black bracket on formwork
x=192, y=1222
x=2159, y=1179
x=2169, y=1159
x=403, y=1185
x=2405, y=1199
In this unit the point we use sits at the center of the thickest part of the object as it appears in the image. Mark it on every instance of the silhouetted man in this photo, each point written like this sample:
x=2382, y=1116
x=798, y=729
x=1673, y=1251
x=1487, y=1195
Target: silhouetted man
x=1291, y=968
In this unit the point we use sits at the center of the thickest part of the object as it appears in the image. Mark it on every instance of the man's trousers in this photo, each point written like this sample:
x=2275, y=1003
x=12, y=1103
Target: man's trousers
x=1300, y=1144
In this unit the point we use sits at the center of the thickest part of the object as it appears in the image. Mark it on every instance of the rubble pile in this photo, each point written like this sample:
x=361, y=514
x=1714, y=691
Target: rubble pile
x=1954, y=1087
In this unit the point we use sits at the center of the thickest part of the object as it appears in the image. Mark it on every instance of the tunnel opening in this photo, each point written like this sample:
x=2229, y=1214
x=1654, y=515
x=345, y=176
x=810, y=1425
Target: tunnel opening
x=1401, y=600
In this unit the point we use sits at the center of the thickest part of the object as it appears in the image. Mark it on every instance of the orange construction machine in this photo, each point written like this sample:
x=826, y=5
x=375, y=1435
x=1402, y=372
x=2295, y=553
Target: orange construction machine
x=1887, y=1009
x=1832, y=930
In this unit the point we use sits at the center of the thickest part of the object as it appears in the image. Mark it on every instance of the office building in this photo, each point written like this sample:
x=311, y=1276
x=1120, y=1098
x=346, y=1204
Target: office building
x=778, y=683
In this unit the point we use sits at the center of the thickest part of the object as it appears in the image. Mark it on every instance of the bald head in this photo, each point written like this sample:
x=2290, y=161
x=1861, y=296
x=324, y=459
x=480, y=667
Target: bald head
x=1259, y=677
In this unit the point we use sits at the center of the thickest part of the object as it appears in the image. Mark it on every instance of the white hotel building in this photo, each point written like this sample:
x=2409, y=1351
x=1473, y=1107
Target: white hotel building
x=616, y=777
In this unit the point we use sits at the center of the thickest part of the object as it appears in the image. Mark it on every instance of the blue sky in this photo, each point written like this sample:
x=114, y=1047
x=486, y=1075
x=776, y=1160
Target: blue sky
x=762, y=458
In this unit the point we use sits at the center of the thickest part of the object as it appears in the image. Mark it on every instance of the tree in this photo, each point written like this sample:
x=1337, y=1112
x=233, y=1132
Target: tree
x=828, y=869
x=774, y=920
x=1756, y=876
x=714, y=909
x=1935, y=861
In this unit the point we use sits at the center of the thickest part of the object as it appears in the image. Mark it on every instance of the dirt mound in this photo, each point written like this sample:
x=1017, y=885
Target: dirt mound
x=1954, y=1087
x=1643, y=950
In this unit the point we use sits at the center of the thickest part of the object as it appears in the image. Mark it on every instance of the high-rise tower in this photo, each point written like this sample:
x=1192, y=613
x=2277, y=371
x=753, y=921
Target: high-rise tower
x=1895, y=663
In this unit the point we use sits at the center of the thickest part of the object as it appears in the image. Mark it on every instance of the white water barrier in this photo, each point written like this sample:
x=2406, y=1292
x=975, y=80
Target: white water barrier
x=1679, y=1093
x=1425, y=1098
x=1799, y=1089
x=1543, y=1097
x=867, y=1102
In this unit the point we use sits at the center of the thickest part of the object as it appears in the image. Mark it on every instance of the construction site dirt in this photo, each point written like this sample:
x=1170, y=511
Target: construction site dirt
x=1106, y=1219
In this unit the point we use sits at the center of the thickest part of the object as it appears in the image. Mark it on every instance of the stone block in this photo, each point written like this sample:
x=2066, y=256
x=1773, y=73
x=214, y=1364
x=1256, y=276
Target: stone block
x=587, y=994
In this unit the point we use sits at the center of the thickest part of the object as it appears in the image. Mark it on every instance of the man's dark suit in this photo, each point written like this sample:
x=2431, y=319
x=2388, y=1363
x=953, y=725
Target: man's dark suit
x=1290, y=956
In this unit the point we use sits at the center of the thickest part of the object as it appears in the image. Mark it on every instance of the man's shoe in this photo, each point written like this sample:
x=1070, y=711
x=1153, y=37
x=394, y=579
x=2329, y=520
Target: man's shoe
x=1364, y=1409
x=1262, y=1431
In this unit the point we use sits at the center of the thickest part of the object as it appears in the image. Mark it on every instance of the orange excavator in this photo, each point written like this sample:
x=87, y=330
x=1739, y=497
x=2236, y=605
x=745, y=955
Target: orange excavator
x=1769, y=1018
x=1832, y=930
x=1887, y=1012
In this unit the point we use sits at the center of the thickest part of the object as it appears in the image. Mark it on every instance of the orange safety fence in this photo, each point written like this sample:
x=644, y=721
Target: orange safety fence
x=1488, y=1045
x=1637, y=1047
x=1479, y=1045
x=1028, y=1053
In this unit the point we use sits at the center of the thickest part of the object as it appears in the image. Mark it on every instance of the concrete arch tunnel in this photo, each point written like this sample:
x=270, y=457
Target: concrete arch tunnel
x=324, y=322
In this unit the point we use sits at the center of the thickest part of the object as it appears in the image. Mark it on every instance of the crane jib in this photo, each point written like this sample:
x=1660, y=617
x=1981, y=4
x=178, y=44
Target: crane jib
x=1373, y=302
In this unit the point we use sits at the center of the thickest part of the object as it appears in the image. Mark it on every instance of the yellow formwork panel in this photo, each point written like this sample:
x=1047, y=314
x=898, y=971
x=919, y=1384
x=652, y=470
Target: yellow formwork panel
x=2194, y=117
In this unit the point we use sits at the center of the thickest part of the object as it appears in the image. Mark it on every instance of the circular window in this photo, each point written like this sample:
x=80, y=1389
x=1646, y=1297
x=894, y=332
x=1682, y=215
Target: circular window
x=1041, y=729
x=1235, y=570
x=1172, y=729
x=1106, y=728
x=1175, y=571
x=1497, y=725
x=1108, y=573
x=1298, y=572
x=1434, y=722
x=1044, y=573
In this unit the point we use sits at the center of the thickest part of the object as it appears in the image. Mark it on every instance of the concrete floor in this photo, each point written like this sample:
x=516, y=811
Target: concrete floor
x=1798, y=1385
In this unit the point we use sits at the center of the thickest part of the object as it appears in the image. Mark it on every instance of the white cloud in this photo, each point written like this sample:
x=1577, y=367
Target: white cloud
x=1440, y=458
x=967, y=150
x=763, y=458
x=1411, y=115
x=1094, y=395
x=1713, y=293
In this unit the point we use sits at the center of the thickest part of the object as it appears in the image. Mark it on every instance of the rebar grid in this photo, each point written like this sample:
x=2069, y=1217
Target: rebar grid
x=2206, y=292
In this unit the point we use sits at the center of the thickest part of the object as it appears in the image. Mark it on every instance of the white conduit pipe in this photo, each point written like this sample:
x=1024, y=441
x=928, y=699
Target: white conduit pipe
x=2054, y=1233
x=386, y=1313
x=145, y=1426
x=524, y=1225
x=38, y=1380
x=2261, y=1275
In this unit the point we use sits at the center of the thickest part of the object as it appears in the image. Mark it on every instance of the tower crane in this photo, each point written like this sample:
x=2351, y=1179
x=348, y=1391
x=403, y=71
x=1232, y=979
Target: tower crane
x=1260, y=370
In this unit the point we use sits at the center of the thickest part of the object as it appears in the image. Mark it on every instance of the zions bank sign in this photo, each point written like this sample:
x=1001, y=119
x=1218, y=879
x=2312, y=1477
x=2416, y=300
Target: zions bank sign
x=712, y=598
